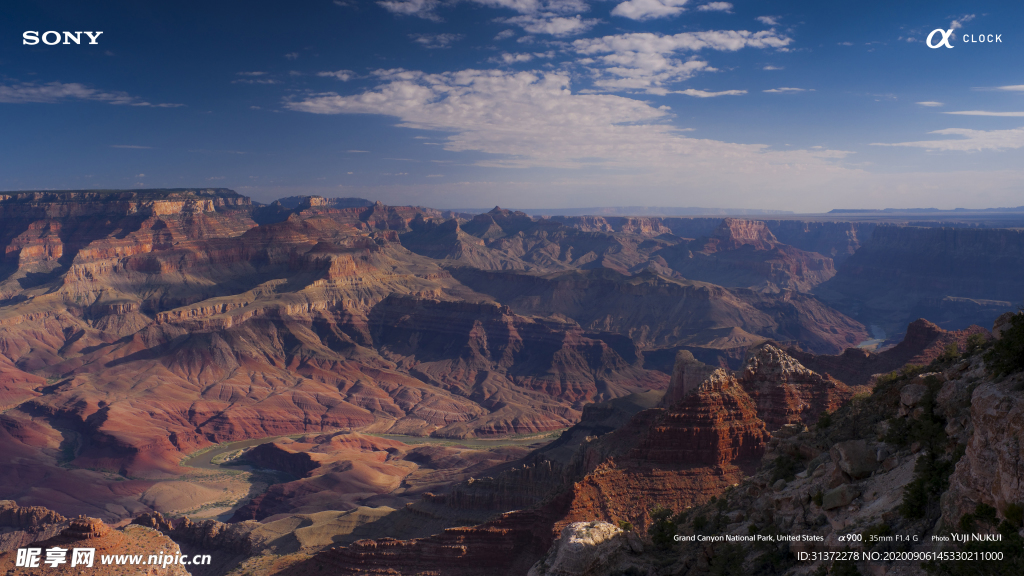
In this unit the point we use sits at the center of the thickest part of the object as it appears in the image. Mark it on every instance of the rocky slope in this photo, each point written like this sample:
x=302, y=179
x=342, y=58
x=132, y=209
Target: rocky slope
x=932, y=455
x=23, y=525
x=658, y=312
x=149, y=546
x=922, y=343
x=745, y=253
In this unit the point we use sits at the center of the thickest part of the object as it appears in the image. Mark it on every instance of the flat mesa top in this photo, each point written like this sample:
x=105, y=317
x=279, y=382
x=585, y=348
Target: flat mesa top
x=94, y=195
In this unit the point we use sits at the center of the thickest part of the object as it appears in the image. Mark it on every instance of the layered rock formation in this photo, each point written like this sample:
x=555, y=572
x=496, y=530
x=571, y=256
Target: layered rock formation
x=149, y=547
x=675, y=457
x=786, y=392
x=923, y=342
x=23, y=525
x=953, y=276
x=657, y=312
x=745, y=253
x=507, y=545
x=993, y=462
x=589, y=548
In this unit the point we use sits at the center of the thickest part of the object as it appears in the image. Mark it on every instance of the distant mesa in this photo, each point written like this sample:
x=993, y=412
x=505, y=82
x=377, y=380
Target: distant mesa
x=292, y=202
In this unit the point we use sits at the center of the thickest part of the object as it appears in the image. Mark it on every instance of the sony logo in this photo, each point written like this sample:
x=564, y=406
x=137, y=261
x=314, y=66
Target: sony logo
x=51, y=37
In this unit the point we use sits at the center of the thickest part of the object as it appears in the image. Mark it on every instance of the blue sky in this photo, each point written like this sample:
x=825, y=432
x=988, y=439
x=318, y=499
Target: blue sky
x=802, y=106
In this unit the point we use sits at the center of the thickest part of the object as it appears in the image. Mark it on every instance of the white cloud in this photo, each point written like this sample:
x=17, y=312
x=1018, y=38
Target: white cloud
x=532, y=119
x=252, y=73
x=725, y=40
x=715, y=7
x=509, y=58
x=770, y=67
x=535, y=6
x=706, y=94
x=421, y=8
x=505, y=34
x=987, y=113
x=357, y=151
x=648, y=9
x=343, y=75
x=254, y=81
x=959, y=22
x=54, y=92
x=515, y=58
x=645, y=61
x=292, y=55
x=548, y=23
x=768, y=20
x=427, y=9
x=436, y=40
x=930, y=104
x=1017, y=88
x=785, y=90
x=970, y=141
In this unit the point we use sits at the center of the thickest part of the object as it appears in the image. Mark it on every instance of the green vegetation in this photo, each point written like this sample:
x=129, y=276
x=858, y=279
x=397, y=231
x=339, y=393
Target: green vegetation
x=785, y=468
x=933, y=468
x=1007, y=354
x=950, y=353
x=625, y=526
x=1014, y=514
x=728, y=560
x=818, y=497
x=824, y=421
x=929, y=429
x=975, y=342
x=770, y=557
x=931, y=478
x=700, y=523
x=662, y=529
x=985, y=513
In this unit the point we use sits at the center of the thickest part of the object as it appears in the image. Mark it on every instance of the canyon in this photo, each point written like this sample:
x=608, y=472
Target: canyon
x=430, y=381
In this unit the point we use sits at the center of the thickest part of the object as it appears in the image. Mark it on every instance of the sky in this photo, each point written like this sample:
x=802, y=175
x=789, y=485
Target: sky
x=800, y=105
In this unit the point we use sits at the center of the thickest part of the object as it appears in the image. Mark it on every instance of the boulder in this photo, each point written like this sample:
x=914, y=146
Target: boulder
x=912, y=394
x=839, y=497
x=587, y=548
x=1001, y=324
x=855, y=458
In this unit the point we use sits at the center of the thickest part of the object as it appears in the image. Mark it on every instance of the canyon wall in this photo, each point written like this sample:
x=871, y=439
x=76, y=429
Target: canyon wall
x=952, y=276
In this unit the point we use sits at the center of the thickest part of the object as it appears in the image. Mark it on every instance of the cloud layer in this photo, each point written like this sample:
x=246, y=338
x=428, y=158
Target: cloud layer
x=532, y=119
x=57, y=92
x=648, y=61
x=969, y=141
